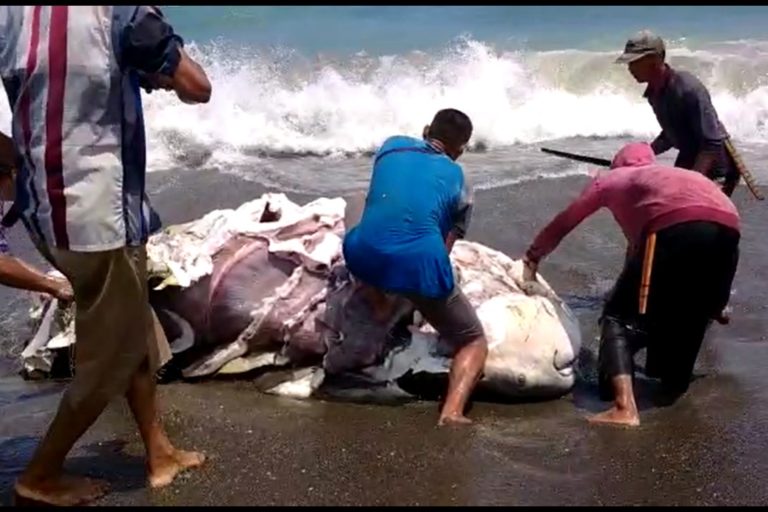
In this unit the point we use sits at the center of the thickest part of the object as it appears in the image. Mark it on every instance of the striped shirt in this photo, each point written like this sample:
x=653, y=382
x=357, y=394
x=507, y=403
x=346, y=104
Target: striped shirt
x=72, y=75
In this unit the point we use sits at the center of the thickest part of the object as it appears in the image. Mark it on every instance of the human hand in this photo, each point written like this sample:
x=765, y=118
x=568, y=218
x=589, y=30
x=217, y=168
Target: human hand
x=153, y=81
x=530, y=284
x=61, y=289
x=530, y=268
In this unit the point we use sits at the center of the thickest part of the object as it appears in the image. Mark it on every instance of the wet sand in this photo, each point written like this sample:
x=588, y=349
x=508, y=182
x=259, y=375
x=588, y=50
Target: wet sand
x=707, y=449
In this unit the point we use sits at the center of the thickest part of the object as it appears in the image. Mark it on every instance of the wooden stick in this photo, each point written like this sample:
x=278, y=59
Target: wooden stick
x=645, y=283
x=748, y=178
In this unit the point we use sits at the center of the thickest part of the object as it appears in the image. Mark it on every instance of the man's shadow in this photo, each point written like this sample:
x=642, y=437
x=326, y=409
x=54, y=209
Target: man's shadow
x=105, y=460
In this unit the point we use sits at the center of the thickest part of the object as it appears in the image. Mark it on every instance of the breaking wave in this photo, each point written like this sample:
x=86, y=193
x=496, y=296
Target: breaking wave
x=279, y=103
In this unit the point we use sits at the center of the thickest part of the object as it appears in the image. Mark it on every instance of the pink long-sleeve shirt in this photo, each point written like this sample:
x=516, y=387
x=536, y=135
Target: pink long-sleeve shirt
x=643, y=197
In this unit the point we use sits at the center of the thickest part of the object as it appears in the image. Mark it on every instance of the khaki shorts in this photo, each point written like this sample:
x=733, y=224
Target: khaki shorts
x=116, y=329
x=453, y=317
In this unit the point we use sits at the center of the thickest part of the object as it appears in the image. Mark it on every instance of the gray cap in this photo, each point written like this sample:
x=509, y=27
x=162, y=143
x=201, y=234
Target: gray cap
x=641, y=44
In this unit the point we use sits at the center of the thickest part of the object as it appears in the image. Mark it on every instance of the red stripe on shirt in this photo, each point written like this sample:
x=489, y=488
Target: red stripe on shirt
x=54, y=117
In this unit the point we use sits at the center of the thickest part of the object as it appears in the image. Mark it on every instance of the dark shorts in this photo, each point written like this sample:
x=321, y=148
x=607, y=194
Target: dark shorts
x=724, y=171
x=693, y=269
x=453, y=317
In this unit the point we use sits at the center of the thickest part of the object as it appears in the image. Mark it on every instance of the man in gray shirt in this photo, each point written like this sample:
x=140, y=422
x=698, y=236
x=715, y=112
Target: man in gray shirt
x=684, y=110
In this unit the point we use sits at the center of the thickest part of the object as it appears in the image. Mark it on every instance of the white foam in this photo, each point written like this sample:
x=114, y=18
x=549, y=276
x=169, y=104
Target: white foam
x=275, y=104
x=579, y=170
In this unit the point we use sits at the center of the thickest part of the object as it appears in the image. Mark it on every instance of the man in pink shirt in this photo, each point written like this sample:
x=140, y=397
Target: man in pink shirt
x=696, y=255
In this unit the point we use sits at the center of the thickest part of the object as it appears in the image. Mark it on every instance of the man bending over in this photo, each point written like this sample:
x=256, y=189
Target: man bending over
x=418, y=204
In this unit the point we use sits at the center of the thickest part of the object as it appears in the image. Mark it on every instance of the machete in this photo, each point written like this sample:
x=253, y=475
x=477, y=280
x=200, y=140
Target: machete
x=579, y=158
x=748, y=178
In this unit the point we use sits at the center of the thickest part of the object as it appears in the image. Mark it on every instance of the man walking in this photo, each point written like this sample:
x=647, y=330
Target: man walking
x=72, y=75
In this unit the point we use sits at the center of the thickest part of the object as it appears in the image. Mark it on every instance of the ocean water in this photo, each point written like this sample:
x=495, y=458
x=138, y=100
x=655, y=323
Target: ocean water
x=301, y=97
x=302, y=90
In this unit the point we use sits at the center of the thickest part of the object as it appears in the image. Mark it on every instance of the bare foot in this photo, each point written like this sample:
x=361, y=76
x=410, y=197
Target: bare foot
x=62, y=491
x=616, y=416
x=164, y=469
x=453, y=419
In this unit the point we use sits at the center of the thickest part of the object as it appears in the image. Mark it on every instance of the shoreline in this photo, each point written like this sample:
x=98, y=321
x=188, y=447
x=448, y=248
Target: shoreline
x=705, y=449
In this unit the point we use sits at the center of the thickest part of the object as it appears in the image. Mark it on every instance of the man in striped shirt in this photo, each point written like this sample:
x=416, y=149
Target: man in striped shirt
x=73, y=76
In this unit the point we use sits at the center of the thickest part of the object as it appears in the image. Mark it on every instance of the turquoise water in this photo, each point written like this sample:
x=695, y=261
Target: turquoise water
x=397, y=29
x=320, y=82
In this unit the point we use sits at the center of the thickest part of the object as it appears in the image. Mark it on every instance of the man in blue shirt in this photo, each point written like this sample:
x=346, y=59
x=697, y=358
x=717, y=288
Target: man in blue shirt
x=418, y=204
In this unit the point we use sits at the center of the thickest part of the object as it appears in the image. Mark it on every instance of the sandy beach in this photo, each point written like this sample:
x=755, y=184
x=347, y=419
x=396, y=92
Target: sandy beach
x=707, y=449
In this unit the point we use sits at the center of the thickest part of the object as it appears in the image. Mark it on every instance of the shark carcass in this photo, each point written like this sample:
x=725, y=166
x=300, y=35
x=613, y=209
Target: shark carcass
x=262, y=290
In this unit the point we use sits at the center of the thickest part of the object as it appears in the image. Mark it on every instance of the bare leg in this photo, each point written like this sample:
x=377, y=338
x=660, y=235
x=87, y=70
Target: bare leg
x=624, y=410
x=164, y=461
x=44, y=480
x=465, y=372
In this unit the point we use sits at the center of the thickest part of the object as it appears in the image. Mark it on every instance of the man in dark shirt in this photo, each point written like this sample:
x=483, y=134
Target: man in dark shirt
x=684, y=109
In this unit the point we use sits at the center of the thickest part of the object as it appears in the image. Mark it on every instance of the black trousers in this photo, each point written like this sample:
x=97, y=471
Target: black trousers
x=724, y=169
x=693, y=269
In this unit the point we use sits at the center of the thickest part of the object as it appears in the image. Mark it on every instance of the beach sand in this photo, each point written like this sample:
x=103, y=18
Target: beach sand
x=707, y=449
